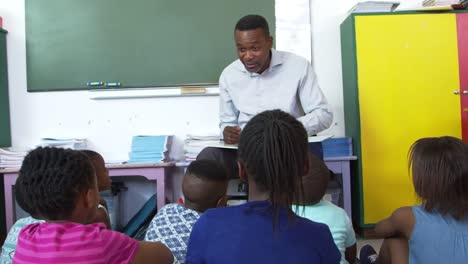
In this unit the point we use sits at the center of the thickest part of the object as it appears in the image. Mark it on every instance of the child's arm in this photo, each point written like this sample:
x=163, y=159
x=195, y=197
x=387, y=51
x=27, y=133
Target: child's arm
x=350, y=253
x=400, y=223
x=152, y=252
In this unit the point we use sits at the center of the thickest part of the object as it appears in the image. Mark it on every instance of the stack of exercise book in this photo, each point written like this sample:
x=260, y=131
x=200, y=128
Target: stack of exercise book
x=374, y=6
x=337, y=147
x=11, y=158
x=150, y=149
x=71, y=143
x=193, y=144
x=455, y=4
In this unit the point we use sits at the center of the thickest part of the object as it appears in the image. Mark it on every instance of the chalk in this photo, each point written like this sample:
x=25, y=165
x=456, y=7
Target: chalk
x=95, y=83
x=113, y=84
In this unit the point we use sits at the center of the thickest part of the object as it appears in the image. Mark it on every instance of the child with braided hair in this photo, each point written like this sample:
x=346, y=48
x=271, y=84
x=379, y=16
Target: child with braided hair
x=272, y=157
x=60, y=186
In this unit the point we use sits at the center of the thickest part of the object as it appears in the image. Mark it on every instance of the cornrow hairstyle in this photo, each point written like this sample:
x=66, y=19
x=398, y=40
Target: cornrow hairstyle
x=207, y=170
x=439, y=167
x=50, y=181
x=273, y=149
x=251, y=22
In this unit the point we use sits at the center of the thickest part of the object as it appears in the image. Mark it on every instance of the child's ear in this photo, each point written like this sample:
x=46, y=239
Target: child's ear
x=242, y=171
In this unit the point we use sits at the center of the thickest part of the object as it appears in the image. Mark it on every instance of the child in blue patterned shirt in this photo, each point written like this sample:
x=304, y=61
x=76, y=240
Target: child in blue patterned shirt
x=204, y=187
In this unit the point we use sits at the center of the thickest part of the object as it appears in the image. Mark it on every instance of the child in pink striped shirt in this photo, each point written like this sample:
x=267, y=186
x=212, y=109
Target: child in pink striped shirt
x=60, y=186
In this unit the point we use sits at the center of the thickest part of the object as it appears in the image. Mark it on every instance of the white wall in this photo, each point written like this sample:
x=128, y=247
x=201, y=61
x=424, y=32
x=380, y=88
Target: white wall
x=110, y=124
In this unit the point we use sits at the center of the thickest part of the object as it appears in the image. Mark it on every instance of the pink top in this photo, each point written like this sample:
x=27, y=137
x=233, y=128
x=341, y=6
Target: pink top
x=73, y=243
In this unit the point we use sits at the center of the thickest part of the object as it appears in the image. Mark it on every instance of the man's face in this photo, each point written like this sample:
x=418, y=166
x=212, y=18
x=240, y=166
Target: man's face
x=253, y=49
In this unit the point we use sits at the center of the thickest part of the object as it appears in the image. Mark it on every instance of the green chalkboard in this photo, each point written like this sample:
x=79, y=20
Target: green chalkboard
x=139, y=43
x=5, y=134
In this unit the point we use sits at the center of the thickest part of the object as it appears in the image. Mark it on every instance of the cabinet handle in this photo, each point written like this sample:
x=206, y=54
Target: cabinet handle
x=465, y=92
x=456, y=92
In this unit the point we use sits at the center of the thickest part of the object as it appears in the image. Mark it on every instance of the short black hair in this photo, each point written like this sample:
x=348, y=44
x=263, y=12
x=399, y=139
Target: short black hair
x=50, y=181
x=439, y=166
x=251, y=22
x=273, y=147
x=315, y=182
x=90, y=153
x=208, y=170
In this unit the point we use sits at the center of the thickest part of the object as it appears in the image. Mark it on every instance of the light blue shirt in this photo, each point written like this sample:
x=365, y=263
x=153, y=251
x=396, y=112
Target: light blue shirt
x=289, y=84
x=336, y=219
x=8, y=248
x=436, y=239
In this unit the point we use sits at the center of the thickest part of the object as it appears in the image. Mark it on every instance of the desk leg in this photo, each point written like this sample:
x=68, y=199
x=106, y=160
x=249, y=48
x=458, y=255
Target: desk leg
x=160, y=191
x=9, y=181
x=346, y=186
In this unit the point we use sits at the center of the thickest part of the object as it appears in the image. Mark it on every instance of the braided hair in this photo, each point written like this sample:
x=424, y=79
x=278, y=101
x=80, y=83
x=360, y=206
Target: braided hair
x=50, y=181
x=273, y=149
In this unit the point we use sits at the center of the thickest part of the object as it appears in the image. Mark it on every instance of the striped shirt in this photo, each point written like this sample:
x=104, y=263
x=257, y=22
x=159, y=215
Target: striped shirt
x=73, y=243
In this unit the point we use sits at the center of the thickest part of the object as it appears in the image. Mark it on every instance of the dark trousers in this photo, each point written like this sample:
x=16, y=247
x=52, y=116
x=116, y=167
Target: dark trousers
x=228, y=157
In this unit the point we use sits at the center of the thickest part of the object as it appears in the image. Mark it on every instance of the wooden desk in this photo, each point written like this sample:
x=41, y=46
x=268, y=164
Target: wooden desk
x=154, y=171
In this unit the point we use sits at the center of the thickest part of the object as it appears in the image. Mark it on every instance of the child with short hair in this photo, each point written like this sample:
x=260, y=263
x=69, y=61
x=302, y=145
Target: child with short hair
x=437, y=230
x=104, y=184
x=314, y=207
x=272, y=157
x=60, y=186
x=102, y=216
x=204, y=187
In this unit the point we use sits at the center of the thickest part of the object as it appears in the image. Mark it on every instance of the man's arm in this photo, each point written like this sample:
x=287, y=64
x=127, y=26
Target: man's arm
x=228, y=113
x=318, y=115
x=400, y=223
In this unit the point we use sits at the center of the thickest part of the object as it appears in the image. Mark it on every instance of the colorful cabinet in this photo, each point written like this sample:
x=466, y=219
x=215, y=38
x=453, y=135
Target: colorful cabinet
x=405, y=76
x=5, y=137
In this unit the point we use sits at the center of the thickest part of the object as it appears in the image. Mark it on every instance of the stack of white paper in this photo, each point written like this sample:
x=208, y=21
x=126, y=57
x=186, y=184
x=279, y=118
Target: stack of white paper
x=374, y=6
x=11, y=158
x=195, y=143
x=71, y=143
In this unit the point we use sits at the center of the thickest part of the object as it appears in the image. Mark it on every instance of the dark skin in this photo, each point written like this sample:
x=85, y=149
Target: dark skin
x=396, y=230
x=202, y=195
x=104, y=183
x=147, y=252
x=253, y=50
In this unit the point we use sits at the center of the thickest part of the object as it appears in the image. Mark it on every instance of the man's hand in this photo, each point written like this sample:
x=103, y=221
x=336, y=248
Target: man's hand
x=231, y=134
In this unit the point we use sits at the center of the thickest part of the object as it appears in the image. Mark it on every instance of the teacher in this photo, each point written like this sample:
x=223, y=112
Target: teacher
x=265, y=79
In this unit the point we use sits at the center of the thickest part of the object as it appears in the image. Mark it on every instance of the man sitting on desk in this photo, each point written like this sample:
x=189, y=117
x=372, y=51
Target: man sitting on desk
x=265, y=79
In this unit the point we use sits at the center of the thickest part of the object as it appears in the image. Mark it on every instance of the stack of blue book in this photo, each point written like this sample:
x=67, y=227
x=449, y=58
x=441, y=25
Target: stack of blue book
x=337, y=147
x=150, y=149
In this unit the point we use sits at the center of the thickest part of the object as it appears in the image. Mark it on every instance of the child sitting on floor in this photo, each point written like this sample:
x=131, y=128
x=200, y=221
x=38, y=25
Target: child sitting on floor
x=102, y=216
x=204, y=187
x=437, y=230
x=60, y=186
x=272, y=158
x=104, y=184
x=315, y=208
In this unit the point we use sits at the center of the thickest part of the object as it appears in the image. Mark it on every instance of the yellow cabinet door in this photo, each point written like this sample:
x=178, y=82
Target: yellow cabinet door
x=407, y=73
